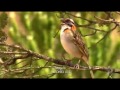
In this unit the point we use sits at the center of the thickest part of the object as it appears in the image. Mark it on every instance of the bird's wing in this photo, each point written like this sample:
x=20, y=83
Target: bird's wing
x=81, y=45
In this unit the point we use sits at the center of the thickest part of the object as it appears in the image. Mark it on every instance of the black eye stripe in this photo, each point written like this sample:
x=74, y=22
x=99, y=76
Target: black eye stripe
x=69, y=24
x=73, y=22
x=66, y=29
x=67, y=21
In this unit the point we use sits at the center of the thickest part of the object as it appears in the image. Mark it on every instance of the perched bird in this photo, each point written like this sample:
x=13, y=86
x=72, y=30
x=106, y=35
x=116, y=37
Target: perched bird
x=72, y=42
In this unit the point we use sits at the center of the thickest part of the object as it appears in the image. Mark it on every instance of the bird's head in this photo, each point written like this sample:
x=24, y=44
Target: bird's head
x=68, y=23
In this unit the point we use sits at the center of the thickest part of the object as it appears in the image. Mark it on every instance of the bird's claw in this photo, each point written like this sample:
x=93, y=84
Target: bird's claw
x=77, y=66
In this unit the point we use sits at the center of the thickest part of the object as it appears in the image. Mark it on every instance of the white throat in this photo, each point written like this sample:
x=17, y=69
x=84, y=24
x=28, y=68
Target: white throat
x=63, y=27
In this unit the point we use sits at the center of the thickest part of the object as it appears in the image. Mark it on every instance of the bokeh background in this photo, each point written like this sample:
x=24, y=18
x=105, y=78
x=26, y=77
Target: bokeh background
x=36, y=30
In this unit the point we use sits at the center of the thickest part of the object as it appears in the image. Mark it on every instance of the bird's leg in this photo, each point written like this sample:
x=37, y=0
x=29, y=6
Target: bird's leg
x=77, y=66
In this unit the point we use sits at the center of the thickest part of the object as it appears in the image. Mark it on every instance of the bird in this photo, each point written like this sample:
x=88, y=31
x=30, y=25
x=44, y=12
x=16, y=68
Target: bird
x=72, y=41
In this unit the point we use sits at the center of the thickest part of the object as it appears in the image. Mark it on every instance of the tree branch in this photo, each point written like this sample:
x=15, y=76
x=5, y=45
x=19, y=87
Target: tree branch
x=29, y=53
x=18, y=52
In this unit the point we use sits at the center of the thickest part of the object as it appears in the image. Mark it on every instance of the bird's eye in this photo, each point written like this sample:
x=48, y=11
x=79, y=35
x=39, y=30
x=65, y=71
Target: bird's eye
x=69, y=20
x=69, y=24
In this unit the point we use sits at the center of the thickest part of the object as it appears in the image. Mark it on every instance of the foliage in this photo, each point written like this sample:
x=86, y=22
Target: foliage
x=36, y=30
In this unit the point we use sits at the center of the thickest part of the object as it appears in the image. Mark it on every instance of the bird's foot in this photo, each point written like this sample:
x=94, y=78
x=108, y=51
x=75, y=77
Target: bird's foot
x=76, y=66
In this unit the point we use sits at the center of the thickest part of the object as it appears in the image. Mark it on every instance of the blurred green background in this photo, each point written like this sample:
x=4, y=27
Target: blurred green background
x=36, y=31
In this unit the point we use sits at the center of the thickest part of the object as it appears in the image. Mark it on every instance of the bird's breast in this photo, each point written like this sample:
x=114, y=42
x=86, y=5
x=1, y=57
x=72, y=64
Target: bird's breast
x=68, y=44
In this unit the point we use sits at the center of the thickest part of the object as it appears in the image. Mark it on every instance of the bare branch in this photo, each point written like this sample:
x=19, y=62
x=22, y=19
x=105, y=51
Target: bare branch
x=5, y=52
x=91, y=21
x=23, y=54
x=107, y=33
x=58, y=61
x=106, y=21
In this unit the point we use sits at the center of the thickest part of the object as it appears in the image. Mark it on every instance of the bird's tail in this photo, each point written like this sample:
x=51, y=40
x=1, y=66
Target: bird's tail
x=91, y=72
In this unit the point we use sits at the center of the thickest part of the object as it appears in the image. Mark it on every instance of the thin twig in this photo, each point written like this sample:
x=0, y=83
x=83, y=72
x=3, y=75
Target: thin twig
x=107, y=33
x=91, y=21
x=61, y=62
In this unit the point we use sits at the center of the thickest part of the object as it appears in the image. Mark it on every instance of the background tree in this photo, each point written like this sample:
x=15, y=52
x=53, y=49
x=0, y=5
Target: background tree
x=36, y=31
